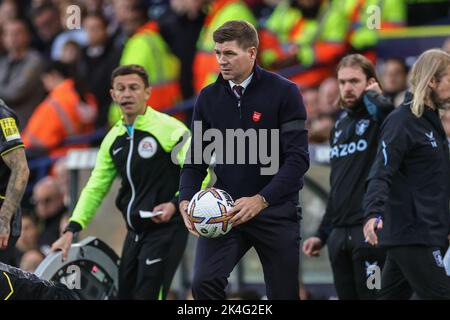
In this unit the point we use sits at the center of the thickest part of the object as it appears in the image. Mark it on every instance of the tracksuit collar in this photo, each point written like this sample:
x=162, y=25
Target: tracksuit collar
x=139, y=118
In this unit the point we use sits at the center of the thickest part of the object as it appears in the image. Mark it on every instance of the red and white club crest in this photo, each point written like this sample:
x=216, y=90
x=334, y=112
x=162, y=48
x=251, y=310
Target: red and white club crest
x=256, y=116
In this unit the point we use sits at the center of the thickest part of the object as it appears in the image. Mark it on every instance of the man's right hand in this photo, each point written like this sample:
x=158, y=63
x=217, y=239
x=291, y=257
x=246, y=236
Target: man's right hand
x=312, y=246
x=63, y=244
x=374, y=86
x=187, y=222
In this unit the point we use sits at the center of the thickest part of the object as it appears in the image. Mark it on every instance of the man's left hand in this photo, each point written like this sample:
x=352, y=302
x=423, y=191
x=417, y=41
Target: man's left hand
x=246, y=208
x=168, y=209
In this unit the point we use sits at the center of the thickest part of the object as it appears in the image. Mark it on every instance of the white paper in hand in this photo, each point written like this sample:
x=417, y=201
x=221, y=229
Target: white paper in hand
x=149, y=214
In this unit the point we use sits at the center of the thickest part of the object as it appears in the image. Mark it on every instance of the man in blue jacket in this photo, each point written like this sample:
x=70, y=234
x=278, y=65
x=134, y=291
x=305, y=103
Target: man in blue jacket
x=248, y=99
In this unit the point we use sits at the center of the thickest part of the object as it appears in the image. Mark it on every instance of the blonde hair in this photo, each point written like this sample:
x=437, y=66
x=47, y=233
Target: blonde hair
x=431, y=64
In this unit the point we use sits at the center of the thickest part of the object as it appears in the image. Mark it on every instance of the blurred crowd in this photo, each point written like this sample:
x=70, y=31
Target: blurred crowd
x=56, y=58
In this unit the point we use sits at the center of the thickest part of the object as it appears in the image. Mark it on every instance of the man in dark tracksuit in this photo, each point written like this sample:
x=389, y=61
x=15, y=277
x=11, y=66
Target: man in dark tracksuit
x=408, y=187
x=265, y=215
x=14, y=174
x=353, y=141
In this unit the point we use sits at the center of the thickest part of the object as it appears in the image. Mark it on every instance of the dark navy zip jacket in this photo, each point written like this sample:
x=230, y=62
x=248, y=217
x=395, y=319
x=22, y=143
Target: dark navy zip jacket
x=269, y=102
x=354, y=144
x=409, y=182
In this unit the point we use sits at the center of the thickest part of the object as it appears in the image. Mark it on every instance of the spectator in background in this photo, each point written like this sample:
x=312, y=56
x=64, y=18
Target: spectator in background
x=68, y=111
x=326, y=111
x=50, y=209
x=362, y=37
x=147, y=48
x=120, y=29
x=329, y=96
x=61, y=174
x=28, y=239
x=9, y=10
x=307, y=36
x=45, y=19
x=180, y=26
x=394, y=80
x=20, y=69
x=31, y=260
x=98, y=60
x=311, y=101
x=76, y=34
x=320, y=127
x=94, y=6
x=71, y=52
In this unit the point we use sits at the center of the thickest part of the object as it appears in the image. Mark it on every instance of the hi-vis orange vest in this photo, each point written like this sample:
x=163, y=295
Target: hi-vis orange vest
x=61, y=115
x=205, y=66
x=363, y=37
x=148, y=49
x=314, y=45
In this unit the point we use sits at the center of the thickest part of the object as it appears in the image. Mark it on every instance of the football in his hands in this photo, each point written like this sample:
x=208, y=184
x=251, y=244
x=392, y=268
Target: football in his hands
x=208, y=212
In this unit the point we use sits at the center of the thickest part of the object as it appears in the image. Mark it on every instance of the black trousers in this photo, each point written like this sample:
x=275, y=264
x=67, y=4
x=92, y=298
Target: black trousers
x=16, y=284
x=350, y=258
x=417, y=269
x=275, y=235
x=149, y=262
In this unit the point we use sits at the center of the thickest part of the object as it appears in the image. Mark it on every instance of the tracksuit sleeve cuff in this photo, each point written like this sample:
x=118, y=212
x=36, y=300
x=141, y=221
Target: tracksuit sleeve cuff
x=323, y=236
x=267, y=197
x=372, y=215
x=175, y=201
x=186, y=194
x=73, y=227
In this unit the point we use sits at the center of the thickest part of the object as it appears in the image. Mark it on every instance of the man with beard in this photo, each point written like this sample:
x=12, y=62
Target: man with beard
x=353, y=142
x=408, y=187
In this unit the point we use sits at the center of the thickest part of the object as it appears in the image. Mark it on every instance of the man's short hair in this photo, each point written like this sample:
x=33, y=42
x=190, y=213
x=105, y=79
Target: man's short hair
x=242, y=31
x=358, y=60
x=130, y=69
x=401, y=62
